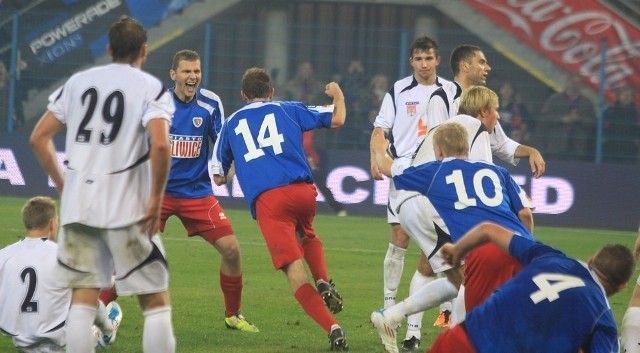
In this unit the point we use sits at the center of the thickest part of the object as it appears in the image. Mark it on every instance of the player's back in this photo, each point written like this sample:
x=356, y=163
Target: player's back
x=465, y=193
x=106, y=110
x=266, y=140
x=524, y=312
x=33, y=307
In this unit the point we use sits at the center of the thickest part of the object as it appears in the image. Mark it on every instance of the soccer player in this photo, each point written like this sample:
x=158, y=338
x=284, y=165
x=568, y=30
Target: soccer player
x=522, y=312
x=264, y=138
x=455, y=195
x=403, y=123
x=118, y=154
x=197, y=121
x=630, y=337
x=34, y=306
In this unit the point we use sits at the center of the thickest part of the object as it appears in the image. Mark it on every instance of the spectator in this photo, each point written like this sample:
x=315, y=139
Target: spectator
x=514, y=116
x=567, y=123
x=355, y=83
x=621, y=131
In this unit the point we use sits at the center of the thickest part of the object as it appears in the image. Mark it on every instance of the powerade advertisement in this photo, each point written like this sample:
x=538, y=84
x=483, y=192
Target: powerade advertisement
x=58, y=35
x=569, y=194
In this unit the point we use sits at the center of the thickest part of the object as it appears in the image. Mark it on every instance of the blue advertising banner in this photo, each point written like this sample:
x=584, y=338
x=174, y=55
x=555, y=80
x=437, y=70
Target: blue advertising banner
x=58, y=35
x=569, y=194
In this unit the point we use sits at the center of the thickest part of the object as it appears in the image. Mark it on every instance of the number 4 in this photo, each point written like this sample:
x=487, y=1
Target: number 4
x=551, y=284
x=268, y=136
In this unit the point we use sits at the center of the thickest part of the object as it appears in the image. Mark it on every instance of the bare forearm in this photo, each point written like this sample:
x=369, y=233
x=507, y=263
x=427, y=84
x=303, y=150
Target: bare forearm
x=482, y=234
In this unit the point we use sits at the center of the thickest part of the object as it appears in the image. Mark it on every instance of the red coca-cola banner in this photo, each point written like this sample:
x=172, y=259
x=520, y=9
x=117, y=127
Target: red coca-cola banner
x=569, y=33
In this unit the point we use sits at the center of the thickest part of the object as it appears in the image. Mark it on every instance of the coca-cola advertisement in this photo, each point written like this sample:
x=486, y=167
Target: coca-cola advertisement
x=570, y=33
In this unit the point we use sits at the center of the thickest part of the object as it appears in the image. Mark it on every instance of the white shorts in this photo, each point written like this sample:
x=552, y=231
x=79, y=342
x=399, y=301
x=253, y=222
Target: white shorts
x=416, y=215
x=43, y=347
x=90, y=258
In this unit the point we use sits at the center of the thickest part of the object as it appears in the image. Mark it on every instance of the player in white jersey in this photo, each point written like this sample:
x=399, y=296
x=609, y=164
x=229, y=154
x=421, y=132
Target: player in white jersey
x=630, y=338
x=117, y=120
x=403, y=123
x=479, y=108
x=34, y=307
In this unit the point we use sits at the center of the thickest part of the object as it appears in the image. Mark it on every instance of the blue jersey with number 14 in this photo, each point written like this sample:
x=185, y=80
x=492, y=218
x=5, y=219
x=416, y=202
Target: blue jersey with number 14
x=265, y=141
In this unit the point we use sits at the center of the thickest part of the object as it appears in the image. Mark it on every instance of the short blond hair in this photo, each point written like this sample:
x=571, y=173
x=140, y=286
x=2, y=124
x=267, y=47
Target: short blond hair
x=452, y=138
x=477, y=98
x=37, y=212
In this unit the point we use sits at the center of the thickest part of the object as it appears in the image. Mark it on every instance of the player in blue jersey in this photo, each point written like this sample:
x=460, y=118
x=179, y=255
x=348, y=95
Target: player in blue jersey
x=264, y=141
x=458, y=194
x=189, y=194
x=521, y=315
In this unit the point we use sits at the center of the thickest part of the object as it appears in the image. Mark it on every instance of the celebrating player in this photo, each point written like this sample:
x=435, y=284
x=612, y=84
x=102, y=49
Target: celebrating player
x=196, y=121
x=265, y=138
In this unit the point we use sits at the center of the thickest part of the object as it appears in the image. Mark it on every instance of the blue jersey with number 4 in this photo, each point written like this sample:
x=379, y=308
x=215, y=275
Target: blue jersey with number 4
x=264, y=139
x=555, y=304
x=466, y=193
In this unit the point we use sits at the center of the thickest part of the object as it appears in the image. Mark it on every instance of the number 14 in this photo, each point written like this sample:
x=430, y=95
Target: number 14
x=268, y=136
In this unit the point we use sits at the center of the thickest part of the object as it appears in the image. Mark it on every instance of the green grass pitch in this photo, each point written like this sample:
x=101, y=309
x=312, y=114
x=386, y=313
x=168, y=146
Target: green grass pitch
x=354, y=247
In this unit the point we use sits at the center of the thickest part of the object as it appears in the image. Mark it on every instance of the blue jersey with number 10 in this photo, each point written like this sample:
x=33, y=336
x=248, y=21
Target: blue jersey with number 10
x=265, y=141
x=466, y=193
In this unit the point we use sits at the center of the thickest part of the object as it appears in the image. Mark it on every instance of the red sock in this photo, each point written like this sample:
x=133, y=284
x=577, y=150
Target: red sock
x=314, y=256
x=313, y=305
x=108, y=295
x=232, y=292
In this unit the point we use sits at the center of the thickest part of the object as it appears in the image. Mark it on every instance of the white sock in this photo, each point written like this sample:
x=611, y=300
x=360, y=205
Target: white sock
x=630, y=338
x=80, y=320
x=393, y=266
x=102, y=320
x=414, y=321
x=458, y=311
x=427, y=297
x=157, y=336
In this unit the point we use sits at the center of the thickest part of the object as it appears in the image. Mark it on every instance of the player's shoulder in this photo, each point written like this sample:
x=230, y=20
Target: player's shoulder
x=208, y=95
x=405, y=83
x=470, y=123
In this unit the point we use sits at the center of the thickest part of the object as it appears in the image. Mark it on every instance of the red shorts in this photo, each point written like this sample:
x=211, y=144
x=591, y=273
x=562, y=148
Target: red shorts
x=486, y=268
x=281, y=213
x=202, y=216
x=454, y=340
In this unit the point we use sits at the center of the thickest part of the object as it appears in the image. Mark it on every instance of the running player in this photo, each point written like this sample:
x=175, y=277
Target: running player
x=265, y=138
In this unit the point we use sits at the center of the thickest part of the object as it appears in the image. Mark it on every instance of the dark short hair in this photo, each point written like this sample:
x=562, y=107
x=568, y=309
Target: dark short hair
x=126, y=39
x=256, y=83
x=424, y=43
x=615, y=262
x=462, y=53
x=187, y=55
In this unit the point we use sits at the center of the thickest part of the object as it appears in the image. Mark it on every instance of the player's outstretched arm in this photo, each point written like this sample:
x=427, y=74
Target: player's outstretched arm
x=479, y=235
x=377, y=146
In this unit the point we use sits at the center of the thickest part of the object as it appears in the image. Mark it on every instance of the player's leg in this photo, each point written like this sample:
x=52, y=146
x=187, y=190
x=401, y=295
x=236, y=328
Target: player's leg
x=630, y=337
x=205, y=217
x=423, y=275
x=278, y=211
x=144, y=262
x=86, y=266
x=393, y=265
x=313, y=251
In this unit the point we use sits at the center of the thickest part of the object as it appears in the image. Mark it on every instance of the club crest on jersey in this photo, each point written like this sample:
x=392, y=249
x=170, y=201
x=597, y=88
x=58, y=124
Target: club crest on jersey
x=411, y=108
x=197, y=121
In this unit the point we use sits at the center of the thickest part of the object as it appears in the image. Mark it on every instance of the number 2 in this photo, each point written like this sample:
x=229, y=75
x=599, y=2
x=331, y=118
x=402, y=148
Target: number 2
x=268, y=136
x=28, y=304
